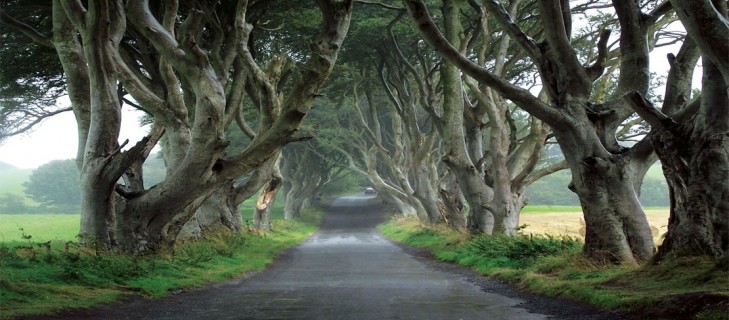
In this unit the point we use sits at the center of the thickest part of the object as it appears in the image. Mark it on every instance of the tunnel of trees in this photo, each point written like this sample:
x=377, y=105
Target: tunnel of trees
x=450, y=110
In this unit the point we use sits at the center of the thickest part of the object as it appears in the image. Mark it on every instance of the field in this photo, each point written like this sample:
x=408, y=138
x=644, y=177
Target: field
x=567, y=220
x=42, y=227
x=65, y=227
x=555, y=220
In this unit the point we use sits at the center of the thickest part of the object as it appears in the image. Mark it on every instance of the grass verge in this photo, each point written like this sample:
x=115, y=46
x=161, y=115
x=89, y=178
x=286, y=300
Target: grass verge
x=42, y=278
x=677, y=288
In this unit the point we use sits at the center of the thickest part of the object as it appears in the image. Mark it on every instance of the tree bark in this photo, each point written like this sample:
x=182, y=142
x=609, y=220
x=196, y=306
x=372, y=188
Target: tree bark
x=266, y=198
x=475, y=189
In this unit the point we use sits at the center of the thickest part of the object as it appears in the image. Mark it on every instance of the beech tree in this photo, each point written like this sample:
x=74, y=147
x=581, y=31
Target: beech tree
x=603, y=172
x=187, y=64
x=690, y=135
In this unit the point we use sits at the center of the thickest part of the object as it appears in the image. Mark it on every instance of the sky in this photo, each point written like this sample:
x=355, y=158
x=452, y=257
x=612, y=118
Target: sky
x=56, y=139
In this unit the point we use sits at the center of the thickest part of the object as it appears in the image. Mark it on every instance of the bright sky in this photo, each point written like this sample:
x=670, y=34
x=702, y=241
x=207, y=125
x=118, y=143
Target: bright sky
x=56, y=138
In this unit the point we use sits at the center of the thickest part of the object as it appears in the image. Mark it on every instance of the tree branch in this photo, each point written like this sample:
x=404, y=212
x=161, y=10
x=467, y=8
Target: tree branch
x=534, y=176
x=505, y=21
x=596, y=69
x=25, y=29
x=650, y=114
x=376, y=3
x=520, y=96
x=709, y=28
x=557, y=36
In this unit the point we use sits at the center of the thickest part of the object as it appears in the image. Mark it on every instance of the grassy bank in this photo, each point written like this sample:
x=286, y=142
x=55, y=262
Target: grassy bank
x=42, y=277
x=685, y=288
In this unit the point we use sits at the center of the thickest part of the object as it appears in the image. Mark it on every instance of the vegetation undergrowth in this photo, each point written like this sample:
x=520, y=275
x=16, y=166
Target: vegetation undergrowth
x=43, y=277
x=676, y=288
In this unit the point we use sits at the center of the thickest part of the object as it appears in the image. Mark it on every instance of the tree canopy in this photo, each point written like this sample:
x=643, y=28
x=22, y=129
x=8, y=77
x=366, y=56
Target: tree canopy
x=448, y=108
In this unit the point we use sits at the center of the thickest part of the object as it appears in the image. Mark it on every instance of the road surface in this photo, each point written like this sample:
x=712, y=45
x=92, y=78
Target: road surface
x=347, y=270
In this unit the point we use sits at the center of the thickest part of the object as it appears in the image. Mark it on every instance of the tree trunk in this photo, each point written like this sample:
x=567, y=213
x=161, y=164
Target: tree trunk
x=99, y=172
x=699, y=195
x=695, y=158
x=264, y=203
x=219, y=212
x=425, y=191
x=452, y=203
x=475, y=190
x=617, y=228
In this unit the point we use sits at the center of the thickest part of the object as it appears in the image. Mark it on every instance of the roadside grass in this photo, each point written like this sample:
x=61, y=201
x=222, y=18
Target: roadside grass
x=45, y=277
x=677, y=288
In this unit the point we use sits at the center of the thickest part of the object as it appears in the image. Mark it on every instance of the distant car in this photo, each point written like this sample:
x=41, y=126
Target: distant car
x=369, y=191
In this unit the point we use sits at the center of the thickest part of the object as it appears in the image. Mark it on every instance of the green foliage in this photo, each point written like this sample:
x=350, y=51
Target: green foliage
x=31, y=78
x=11, y=188
x=12, y=203
x=56, y=185
x=518, y=252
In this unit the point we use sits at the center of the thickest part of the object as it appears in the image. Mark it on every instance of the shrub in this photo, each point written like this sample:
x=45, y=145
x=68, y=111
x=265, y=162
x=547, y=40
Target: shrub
x=519, y=252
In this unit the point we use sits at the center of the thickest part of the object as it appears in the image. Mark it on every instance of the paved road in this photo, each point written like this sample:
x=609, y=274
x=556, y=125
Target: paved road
x=347, y=270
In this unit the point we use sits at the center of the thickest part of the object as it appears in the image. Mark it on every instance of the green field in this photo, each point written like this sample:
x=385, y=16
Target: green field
x=43, y=227
x=65, y=227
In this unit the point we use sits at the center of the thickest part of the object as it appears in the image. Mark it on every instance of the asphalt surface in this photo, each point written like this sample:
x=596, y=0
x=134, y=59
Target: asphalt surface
x=347, y=270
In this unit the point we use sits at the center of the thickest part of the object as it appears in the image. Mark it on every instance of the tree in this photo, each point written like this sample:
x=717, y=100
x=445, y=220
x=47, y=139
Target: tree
x=12, y=204
x=56, y=185
x=690, y=136
x=189, y=65
x=604, y=173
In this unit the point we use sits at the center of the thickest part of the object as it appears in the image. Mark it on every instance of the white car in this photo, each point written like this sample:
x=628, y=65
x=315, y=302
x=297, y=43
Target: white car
x=369, y=190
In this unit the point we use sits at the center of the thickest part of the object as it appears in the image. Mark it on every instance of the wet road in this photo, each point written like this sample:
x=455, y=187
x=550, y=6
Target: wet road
x=347, y=270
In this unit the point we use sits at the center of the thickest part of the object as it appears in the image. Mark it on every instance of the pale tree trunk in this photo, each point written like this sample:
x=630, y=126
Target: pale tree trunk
x=266, y=198
x=452, y=202
x=474, y=188
x=425, y=177
x=218, y=213
x=616, y=227
x=99, y=171
x=70, y=53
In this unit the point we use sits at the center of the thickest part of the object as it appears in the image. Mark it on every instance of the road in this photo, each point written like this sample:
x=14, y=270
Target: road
x=347, y=270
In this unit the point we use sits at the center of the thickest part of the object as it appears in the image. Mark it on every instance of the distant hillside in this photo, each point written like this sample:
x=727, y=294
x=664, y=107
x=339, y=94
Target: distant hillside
x=6, y=166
